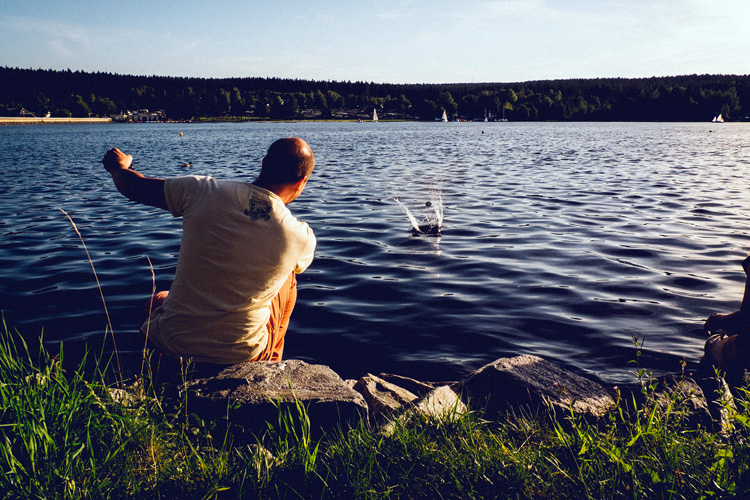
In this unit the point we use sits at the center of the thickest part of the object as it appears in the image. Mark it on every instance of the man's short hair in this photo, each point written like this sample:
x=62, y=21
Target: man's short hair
x=287, y=161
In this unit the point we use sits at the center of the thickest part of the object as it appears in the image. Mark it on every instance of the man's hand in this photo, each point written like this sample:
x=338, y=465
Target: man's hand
x=134, y=185
x=116, y=160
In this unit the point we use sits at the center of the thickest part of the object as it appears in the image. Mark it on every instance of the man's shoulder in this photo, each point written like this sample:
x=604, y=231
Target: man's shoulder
x=186, y=182
x=202, y=184
x=182, y=192
x=190, y=179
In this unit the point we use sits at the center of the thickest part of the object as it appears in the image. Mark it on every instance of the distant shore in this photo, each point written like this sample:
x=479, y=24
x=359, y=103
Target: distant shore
x=23, y=120
x=43, y=121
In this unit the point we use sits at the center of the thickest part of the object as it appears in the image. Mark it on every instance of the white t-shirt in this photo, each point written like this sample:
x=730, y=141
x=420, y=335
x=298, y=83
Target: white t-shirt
x=239, y=244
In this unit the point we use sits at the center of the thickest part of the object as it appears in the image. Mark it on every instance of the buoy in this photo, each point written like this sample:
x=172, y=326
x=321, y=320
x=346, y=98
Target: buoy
x=180, y=134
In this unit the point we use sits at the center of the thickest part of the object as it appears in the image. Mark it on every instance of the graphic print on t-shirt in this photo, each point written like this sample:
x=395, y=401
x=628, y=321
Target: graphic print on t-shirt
x=259, y=209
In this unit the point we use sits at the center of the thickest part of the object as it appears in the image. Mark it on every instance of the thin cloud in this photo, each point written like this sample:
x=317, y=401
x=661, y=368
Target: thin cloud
x=50, y=28
x=177, y=41
x=59, y=48
x=396, y=10
x=513, y=6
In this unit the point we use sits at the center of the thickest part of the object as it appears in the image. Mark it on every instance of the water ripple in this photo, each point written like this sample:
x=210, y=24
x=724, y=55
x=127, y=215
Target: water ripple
x=561, y=240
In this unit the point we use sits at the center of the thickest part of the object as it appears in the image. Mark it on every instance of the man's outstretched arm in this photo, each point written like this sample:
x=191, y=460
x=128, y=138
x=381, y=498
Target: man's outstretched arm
x=135, y=186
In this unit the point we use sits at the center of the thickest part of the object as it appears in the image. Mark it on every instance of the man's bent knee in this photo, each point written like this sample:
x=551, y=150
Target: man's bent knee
x=155, y=301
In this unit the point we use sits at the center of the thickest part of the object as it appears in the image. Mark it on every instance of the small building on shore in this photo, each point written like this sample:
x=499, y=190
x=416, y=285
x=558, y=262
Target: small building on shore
x=140, y=116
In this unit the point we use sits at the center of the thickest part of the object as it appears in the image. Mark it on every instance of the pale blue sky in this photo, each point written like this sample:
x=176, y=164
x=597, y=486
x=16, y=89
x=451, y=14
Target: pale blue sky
x=395, y=41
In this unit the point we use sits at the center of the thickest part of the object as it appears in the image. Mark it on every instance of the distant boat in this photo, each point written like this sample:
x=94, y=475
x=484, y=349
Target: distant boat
x=374, y=115
x=718, y=119
x=481, y=119
x=503, y=119
x=443, y=118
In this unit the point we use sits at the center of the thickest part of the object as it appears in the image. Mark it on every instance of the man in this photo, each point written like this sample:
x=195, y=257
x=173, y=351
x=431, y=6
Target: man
x=728, y=345
x=235, y=287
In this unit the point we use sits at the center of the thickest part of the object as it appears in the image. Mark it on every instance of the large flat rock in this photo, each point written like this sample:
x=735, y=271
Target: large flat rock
x=529, y=381
x=251, y=394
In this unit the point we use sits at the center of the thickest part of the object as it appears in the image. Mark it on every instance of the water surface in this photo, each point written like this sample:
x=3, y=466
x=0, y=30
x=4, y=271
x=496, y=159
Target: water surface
x=559, y=240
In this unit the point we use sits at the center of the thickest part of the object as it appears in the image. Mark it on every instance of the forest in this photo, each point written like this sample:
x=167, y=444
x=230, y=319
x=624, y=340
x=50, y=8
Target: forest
x=66, y=93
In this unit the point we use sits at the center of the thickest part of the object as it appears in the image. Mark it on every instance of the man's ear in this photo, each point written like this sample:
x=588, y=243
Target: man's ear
x=300, y=184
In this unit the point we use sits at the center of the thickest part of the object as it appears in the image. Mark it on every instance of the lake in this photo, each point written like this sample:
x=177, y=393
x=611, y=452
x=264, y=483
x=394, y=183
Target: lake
x=561, y=240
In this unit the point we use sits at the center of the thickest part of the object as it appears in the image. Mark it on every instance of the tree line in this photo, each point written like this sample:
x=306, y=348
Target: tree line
x=84, y=94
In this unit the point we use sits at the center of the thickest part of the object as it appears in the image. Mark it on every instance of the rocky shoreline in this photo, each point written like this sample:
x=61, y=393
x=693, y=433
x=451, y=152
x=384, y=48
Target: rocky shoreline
x=248, y=395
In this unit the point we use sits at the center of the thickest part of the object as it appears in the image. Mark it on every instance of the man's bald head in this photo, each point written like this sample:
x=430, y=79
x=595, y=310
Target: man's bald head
x=287, y=161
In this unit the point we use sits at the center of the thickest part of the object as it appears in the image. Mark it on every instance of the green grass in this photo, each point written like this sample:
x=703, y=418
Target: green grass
x=63, y=436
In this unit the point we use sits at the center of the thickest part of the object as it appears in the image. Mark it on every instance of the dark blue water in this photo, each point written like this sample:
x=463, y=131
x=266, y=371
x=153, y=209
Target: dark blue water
x=560, y=240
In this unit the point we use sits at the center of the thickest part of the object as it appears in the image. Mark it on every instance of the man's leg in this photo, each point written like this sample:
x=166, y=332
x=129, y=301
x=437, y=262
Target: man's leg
x=173, y=370
x=281, y=311
x=730, y=349
x=155, y=301
x=737, y=322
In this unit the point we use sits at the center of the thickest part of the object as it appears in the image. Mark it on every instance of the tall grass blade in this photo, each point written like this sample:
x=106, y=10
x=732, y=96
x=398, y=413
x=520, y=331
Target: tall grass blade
x=101, y=293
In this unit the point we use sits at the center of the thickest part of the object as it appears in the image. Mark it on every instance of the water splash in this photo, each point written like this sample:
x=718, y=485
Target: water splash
x=432, y=223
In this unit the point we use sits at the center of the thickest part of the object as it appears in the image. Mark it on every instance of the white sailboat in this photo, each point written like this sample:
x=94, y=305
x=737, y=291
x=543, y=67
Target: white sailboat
x=444, y=118
x=718, y=119
x=374, y=115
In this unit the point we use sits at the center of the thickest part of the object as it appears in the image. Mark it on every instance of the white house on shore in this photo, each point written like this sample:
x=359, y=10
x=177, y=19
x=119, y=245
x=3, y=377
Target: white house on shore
x=140, y=116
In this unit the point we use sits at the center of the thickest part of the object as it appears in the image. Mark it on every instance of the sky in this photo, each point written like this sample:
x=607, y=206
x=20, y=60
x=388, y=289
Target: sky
x=388, y=41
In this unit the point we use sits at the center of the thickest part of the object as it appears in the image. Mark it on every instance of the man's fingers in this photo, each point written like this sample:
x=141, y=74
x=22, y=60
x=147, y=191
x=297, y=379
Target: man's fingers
x=114, y=156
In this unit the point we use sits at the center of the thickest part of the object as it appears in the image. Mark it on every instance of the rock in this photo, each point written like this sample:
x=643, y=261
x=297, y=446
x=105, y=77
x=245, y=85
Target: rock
x=383, y=398
x=686, y=395
x=417, y=387
x=123, y=397
x=441, y=402
x=719, y=388
x=529, y=381
x=253, y=391
x=719, y=401
x=131, y=396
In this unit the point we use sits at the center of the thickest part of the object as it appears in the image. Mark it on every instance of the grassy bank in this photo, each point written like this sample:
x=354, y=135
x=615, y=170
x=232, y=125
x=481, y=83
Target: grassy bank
x=64, y=436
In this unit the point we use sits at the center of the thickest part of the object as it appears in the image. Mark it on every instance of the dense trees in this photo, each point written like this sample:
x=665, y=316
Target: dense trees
x=679, y=98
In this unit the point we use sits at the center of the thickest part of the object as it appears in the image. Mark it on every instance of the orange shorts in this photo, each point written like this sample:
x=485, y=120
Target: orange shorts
x=281, y=311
